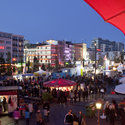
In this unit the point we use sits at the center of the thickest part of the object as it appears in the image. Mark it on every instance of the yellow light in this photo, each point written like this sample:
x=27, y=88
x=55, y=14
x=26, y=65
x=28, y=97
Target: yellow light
x=114, y=68
x=98, y=105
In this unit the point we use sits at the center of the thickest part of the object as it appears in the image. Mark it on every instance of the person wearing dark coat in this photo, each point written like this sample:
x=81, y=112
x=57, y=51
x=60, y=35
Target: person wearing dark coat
x=112, y=114
x=68, y=120
x=123, y=116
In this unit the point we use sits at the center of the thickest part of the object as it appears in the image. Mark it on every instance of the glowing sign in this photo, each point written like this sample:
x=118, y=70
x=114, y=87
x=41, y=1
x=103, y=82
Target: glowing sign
x=1, y=47
x=52, y=42
x=13, y=59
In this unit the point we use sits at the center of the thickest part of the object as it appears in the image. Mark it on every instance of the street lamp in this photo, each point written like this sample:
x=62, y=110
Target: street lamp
x=123, y=56
x=98, y=107
x=95, y=59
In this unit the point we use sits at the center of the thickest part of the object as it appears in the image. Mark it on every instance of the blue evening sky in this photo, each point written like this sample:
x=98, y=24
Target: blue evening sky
x=40, y=20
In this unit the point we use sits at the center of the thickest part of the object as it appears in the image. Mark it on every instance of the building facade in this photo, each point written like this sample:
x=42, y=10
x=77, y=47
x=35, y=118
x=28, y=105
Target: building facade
x=13, y=44
x=50, y=52
x=80, y=51
x=107, y=45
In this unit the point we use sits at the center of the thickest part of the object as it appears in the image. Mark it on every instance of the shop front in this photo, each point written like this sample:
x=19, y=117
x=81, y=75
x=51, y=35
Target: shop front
x=8, y=99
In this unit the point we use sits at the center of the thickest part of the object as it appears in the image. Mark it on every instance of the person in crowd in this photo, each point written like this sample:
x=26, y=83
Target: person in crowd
x=123, y=116
x=46, y=110
x=35, y=107
x=86, y=93
x=120, y=111
x=0, y=109
x=80, y=116
x=75, y=120
x=68, y=119
x=102, y=91
x=112, y=114
x=75, y=95
x=115, y=105
x=83, y=95
x=16, y=116
x=79, y=94
x=65, y=96
x=4, y=104
x=30, y=107
x=58, y=95
x=39, y=118
x=27, y=116
x=71, y=96
x=106, y=109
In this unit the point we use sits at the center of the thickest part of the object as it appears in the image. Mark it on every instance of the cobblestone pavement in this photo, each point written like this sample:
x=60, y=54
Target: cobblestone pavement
x=57, y=114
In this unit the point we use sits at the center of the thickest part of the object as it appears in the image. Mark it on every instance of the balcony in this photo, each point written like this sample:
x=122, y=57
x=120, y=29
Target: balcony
x=15, y=51
x=15, y=45
x=21, y=51
x=20, y=45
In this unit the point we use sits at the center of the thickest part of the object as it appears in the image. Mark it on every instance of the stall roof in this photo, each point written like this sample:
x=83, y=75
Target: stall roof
x=8, y=88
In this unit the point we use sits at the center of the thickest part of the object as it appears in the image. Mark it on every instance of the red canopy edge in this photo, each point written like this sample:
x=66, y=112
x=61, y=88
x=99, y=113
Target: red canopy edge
x=53, y=83
x=106, y=20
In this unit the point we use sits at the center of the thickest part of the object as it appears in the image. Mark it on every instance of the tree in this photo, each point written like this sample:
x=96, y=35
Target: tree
x=56, y=63
x=43, y=67
x=100, y=61
x=2, y=65
x=49, y=67
x=35, y=64
x=28, y=65
x=9, y=67
x=83, y=62
x=122, y=57
x=21, y=61
x=56, y=59
x=117, y=60
x=74, y=61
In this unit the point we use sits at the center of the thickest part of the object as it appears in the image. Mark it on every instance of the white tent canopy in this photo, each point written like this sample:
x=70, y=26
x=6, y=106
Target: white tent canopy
x=40, y=73
x=120, y=68
x=120, y=88
x=122, y=80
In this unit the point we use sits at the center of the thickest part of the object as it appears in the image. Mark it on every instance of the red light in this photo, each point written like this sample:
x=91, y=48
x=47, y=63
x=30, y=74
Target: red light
x=1, y=47
x=98, y=49
x=13, y=59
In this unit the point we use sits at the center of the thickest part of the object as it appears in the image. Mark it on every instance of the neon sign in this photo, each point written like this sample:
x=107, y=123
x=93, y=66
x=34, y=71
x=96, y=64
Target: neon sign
x=1, y=47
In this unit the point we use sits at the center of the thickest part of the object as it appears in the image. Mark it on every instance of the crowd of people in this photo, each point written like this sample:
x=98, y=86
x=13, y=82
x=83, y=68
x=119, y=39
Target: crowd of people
x=114, y=111
x=111, y=110
x=41, y=113
x=74, y=119
x=33, y=87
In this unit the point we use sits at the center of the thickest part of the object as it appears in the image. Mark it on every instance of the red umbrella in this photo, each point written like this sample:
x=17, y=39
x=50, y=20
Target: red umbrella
x=59, y=83
x=112, y=11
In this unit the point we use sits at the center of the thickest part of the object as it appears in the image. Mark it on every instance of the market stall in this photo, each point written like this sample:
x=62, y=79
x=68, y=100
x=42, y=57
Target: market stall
x=41, y=73
x=8, y=99
x=23, y=76
x=122, y=80
x=120, y=88
x=62, y=84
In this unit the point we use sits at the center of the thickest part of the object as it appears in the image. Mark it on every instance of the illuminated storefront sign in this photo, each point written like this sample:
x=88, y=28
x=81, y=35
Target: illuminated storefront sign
x=1, y=47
